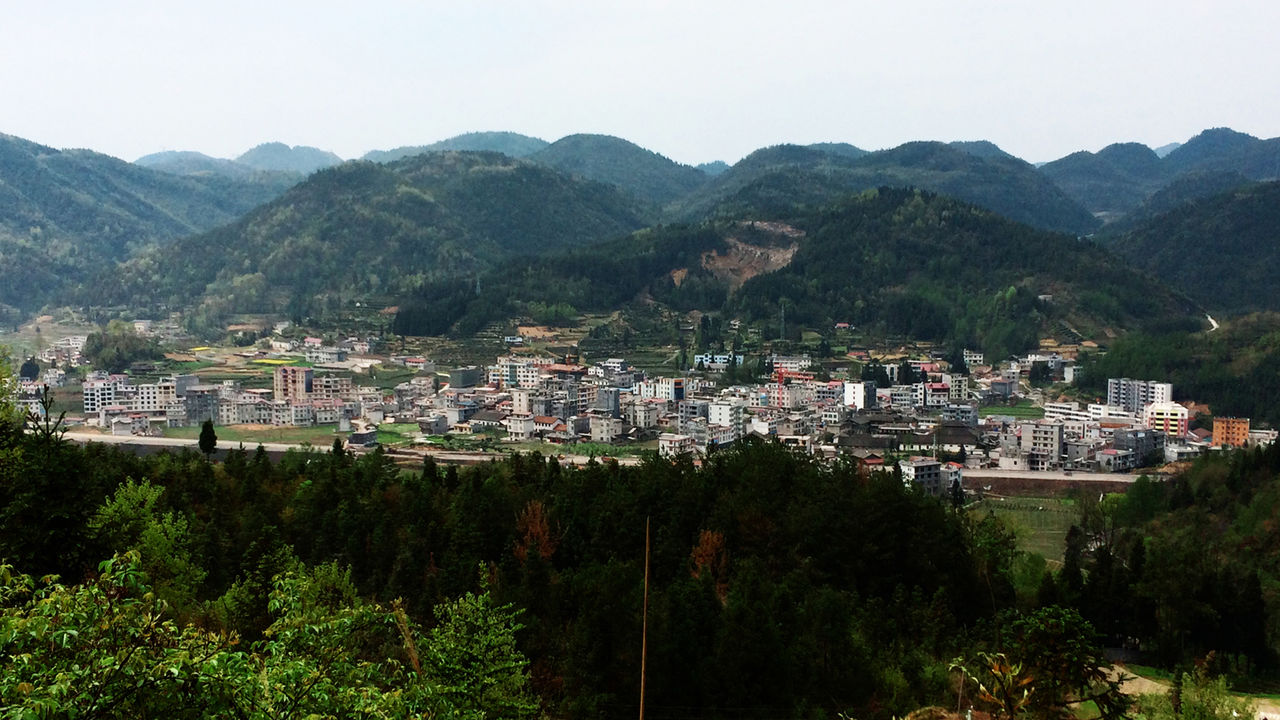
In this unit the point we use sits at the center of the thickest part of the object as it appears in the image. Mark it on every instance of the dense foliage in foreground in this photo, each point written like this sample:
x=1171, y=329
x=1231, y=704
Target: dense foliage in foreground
x=780, y=587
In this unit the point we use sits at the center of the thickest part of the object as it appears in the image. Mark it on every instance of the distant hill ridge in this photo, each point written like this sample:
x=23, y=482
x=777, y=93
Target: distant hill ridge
x=280, y=157
x=507, y=143
x=1120, y=178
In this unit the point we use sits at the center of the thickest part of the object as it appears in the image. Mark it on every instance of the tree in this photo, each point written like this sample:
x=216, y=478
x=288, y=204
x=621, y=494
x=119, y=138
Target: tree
x=1196, y=696
x=106, y=649
x=208, y=438
x=30, y=369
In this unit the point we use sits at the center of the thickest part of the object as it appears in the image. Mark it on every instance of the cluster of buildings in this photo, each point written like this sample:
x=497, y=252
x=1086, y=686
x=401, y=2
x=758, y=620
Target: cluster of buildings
x=299, y=397
x=1139, y=424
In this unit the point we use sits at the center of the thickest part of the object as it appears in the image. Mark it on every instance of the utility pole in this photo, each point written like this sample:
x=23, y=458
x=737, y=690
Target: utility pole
x=644, y=622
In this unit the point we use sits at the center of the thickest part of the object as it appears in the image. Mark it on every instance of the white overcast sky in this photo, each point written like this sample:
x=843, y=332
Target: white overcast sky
x=695, y=81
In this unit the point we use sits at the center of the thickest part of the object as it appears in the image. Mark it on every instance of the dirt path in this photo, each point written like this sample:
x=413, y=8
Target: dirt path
x=1264, y=709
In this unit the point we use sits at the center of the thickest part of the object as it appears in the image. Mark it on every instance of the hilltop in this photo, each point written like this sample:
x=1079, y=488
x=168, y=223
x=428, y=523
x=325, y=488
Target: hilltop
x=640, y=172
x=280, y=157
x=1120, y=178
x=507, y=143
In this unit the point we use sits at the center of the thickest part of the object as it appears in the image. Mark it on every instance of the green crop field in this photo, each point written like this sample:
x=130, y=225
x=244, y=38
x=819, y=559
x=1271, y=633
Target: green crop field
x=228, y=435
x=1041, y=524
x=1023, y=409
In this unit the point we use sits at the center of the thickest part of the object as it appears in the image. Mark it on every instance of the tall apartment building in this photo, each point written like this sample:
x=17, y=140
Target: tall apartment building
x=293, y=383
x=1133, y=395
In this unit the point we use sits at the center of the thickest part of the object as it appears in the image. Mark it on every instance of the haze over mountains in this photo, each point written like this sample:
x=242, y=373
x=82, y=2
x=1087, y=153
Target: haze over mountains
x=417, y=214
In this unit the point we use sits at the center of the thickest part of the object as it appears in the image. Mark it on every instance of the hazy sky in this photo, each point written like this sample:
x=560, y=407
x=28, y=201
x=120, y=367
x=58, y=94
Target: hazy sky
x=696, y=81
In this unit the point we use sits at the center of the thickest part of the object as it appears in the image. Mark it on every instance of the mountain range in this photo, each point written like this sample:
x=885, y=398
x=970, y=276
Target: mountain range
x=364, y=228
x=386, y=227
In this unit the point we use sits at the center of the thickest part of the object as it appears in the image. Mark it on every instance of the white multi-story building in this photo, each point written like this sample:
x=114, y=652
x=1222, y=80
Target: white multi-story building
x=860, y=394
x=1041, y=444
x=730, y=413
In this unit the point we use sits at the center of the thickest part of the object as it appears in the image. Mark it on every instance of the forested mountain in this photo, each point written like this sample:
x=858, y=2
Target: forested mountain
x=1185, y=188
x=902, y=261
x=975, y=174
x=1221, y=250
x=65, y=213
x=362, y=228
x=1119, y=178
x=507, y=143
x=280, y=157
x=603, y=158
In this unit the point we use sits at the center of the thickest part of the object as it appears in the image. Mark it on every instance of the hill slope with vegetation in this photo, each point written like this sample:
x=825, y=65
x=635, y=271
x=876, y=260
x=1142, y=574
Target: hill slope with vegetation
x=905, y=262
x=364, y=229
x=66, y=213
x=1222, y=250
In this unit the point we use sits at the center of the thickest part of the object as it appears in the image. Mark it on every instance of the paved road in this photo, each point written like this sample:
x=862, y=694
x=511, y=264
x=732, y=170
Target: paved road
x=146, y=445
x=1058, y=475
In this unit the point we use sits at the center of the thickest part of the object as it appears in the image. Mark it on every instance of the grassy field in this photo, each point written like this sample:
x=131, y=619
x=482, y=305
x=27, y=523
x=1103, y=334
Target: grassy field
x=250, y=435
x=1024, y=409
x=398, y=433
x=1041, y=524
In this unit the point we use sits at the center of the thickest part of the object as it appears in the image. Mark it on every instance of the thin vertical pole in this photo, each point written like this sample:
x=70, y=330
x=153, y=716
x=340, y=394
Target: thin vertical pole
x=644, y=622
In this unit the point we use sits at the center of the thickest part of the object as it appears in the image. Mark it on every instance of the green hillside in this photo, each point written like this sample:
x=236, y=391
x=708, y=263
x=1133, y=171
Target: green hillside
x=1221, y=250
x=642, y=173
x=507, y=143
x=66, y=213
x=363, y=229
x=997, y=182
x=897, y=261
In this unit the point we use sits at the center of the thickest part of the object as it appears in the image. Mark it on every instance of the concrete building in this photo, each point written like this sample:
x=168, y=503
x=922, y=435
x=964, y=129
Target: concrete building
x=1041, y=444
x=922, y=473
x=1230, y=431
x=672, y=444
x=1134, y=395
x=860, y=394
x=292, y=383
x=1169, y=418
